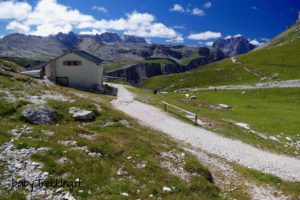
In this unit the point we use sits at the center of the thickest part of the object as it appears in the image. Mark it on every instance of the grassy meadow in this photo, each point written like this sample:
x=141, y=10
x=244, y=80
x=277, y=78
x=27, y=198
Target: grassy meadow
x=269, y=112
x=122, y=143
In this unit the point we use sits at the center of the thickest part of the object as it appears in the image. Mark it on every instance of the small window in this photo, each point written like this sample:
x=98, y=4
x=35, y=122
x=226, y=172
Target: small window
x=71, y=62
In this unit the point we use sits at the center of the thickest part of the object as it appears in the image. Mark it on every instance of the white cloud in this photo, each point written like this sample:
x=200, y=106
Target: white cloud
x=265, y=39
x=194, y=11
x=148, y=41
x=177, y=8
x=100, y=9
x=51, y=29
x=14, y=10
x=209, y=44
x=50, y=17
x=198, y=12
x=256, y=43
x=18, y=27
x=235, y=36
x=179, y=27
x=254, y=8
x=207, y=5
x=92, y=32
x=178, y=39
x=205, y=35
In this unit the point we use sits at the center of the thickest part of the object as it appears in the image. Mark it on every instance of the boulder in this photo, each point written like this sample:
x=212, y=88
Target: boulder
x=193, y=97
x=82, y=115
x=224, y=106
x=39, y=115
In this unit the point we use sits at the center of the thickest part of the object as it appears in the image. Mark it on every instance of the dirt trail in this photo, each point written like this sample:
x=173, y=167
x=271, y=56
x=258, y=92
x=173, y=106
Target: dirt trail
x=287, y=168
x=274, y=84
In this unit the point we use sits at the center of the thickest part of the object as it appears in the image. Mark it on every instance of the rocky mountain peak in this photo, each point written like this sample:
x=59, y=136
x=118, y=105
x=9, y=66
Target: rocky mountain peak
x=108, y=37
x=234, y=45
x=133, y=39
x=69, y=39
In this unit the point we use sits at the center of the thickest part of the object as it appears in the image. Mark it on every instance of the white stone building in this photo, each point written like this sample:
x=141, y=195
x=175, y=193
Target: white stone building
x=76, y=69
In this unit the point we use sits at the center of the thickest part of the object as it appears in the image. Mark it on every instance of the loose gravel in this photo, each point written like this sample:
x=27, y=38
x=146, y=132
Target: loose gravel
x=287, y=168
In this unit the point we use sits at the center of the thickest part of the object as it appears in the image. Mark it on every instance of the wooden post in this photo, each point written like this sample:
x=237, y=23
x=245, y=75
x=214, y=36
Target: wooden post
x=196, y=119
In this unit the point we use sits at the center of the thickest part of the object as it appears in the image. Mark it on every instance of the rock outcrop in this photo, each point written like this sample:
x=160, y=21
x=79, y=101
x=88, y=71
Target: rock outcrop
x=137, y=73
x=234, y=46
x=142, y=71
x=82, y=115
x=39, y=115
x=133, y=39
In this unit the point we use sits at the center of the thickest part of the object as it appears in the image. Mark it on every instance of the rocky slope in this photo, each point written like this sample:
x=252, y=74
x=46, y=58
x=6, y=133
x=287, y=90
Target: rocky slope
x=145, y=69
x=118, y=52
x=277, y=60
x=23, y=46
x=109, y=157
x=142, y=71
x=234, y=46
x=108, y=46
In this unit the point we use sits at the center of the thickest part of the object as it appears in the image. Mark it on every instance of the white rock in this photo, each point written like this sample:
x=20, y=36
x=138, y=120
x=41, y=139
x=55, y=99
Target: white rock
x=193, y=97
x=59, y=190
x=243, y=125
x=18, y=165
x=274, y=138
x=120, y=172
x=39, y=115
x=125, y=194
x=288, y=138
x=167, y=189
x=81, y=115
x=224, y=106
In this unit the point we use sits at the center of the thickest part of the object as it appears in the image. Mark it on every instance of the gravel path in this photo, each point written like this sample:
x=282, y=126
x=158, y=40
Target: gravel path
x=275, y=84
x=229, y=180
x=287, y=168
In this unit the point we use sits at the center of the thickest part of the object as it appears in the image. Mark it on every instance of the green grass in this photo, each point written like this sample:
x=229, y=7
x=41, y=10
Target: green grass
x=186, y=60
x=6, y=108
x=158, y=61
x=121, y=64
x=23, y=62
x=288, y=188
x=10, y=65
x=118, y=64
x=114, y=141
x=282, y=60
x=270, y=112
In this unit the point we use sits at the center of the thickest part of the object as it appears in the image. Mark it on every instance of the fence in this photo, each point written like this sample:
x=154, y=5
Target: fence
x=182, y=110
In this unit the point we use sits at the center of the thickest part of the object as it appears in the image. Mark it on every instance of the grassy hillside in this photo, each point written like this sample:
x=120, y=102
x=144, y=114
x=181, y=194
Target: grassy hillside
x=277, y=60
x=123, y=64
x=23, y=62
x=131, y=155
x=268, y=112
x=9, y=65
x=271, y=115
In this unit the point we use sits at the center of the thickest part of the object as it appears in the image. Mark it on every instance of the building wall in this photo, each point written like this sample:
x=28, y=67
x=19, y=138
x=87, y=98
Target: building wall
x=50, y=70
x=86, y=75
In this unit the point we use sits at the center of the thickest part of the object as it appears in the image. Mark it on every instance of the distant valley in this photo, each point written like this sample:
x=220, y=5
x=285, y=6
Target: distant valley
x=128, y=57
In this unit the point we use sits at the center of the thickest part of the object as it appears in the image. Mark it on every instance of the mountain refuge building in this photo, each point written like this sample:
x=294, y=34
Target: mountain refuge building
x=77, y=69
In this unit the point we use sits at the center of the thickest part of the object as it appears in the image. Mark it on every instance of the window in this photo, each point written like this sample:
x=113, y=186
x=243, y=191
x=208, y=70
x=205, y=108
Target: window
x=71, y=62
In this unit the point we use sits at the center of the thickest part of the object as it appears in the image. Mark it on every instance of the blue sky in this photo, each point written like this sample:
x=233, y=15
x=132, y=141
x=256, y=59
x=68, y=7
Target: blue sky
x=191, y=22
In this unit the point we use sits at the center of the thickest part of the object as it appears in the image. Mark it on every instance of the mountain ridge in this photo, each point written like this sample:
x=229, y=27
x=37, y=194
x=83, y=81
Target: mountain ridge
x=277, y=60
x=234, y=46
